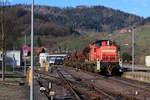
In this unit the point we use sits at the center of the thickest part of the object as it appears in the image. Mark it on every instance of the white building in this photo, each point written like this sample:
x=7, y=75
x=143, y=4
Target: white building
x=147, y=61
x=13, y=58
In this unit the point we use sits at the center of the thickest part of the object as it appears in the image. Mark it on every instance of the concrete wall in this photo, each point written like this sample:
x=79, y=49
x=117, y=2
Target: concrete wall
x=138, y=76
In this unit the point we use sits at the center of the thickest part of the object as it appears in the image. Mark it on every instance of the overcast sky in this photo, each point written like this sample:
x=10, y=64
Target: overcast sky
x=138, y=7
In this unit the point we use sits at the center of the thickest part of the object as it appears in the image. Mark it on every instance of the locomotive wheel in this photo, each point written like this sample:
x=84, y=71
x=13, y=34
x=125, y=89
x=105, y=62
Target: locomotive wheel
x=109, y=70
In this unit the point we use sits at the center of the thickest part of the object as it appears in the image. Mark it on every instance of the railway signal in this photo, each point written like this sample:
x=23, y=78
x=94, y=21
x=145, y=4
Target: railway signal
x=49, y=85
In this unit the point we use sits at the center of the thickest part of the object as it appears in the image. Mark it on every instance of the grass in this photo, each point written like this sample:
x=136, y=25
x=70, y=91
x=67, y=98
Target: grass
x=142, y=41
x=72, y=43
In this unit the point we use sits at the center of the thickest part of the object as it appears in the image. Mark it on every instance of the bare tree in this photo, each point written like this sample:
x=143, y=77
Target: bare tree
x=6, y=33
x=2, y=38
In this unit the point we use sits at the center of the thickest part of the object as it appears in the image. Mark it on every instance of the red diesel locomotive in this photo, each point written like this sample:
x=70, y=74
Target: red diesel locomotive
x=101, y=56
x=106, y=55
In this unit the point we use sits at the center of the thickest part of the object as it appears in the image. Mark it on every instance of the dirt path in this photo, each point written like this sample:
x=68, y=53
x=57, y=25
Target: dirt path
x=10, y=92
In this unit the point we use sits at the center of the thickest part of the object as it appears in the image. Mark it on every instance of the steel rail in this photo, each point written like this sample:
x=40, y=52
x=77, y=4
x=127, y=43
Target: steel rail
x=129, y=84
x=91, y=85
x=118, y=81
x=81, y=83
x=70, y=86
x=46, y=74
x=104, y=93
x=46, y=92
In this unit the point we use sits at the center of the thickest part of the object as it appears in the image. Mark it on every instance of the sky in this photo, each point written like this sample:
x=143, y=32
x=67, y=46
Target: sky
x=137, y=7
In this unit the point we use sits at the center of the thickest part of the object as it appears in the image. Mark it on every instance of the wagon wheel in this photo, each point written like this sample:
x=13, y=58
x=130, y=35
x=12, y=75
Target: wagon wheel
x=109, y=69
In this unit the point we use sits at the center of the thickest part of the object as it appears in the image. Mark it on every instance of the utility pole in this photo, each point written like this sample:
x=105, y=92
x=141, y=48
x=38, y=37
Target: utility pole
x=133, y=46
x=25, y=64
x=3, y=57
x=2, y=30
x=32, y=53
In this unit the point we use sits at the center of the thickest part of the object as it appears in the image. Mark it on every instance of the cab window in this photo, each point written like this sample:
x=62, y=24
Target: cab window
x=98, y=44
x=109, y=43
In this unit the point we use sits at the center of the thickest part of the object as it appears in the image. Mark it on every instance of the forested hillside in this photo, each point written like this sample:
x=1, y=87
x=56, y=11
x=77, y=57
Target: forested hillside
x=146, y=20
x=97, y=18
x=56, y=21
x=21, y=20
x=65, y=22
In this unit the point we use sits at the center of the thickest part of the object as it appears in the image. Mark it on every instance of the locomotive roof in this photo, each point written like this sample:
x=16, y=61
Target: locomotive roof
x=100, y=41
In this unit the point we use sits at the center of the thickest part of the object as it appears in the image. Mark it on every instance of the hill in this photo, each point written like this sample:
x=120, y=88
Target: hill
x=97, y=18
x=56, y=21
x=146, y=20
x=22, y=19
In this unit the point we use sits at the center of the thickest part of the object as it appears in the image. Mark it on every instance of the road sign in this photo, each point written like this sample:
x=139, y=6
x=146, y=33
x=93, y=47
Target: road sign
x=25, y=48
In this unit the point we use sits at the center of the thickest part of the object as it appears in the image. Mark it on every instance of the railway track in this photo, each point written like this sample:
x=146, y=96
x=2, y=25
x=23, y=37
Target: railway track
x=69, y=85
x=46, y=92
x=131, y=83
x=43, y=78
x=115, y=79
x=84, y=91
x=79, y=90
x=123, y=81
x=140, y=90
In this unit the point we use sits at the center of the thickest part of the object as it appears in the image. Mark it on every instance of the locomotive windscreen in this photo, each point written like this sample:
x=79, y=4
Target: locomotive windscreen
x=98, y=44
x=109, y=43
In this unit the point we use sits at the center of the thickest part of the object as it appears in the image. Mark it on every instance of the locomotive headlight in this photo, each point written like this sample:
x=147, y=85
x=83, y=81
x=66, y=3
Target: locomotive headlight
x=120, y=70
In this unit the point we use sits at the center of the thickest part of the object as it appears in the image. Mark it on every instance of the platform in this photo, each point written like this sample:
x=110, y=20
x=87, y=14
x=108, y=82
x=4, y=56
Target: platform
x=136, y=67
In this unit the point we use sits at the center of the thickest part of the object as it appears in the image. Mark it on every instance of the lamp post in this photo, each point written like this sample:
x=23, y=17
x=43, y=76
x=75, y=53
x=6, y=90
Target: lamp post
x=32, y=53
